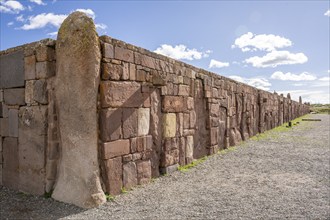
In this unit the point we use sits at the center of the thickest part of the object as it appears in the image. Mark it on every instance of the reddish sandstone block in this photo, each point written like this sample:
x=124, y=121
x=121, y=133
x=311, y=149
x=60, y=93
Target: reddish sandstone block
x=111, y=71
x=107, y=51
x=129, y=175
x=173, y=104
x=30, y=67
x=214, y=135
x=10, y=172
x=145, y=61
x=130, y=122
x=143, y=171
x=113, y=172
x=115, y=149
x=184, y=90
x=124, y=54
x=110, y=124
x=44, y=53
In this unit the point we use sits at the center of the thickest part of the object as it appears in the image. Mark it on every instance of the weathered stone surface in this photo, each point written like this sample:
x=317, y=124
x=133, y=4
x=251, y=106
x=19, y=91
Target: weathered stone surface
x=129, y=175
x=125, y=75
x=115, y=149
x=170, y=157
x=12, y=70
x=184, y=90
x=124, y=54
x=143, y=121
x=113, y=175
x=14, y=96
x=30, y=67
x=189, y=149
x=169, y=169
x=130, y=122
x=145, y=60
x=32, y=147
x=169, y=125
x=45, y=53
x=155, y=130
x=143, y=171
x=77, y=77
x=4, y=125
x=40, y=93
x=13, y=123
x=173, y=104
x=110, y=124
x=132, y=71
x=182, y=151
x=121, y=94
x=10, y=172
x=29, y=87
x=45, y=69
x=111, y=71
x=108, y=51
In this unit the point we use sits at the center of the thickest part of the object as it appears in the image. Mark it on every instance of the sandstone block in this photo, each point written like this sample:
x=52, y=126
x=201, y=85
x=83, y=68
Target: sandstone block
x=143, y=171
x=169, y=125
x=214, y=136
x=173, y=104
x=124, y=54
x=44, y=53
x=14, y=96
x=108, y=51
x=29, y=86
x=113, y=175
x=115, y=149
x=169, y=169
x=125, y=75
x=184, y=90
x=145, y=61
x=30, y=67
x=129, y=175
x=130, y=122
x=140, y=144
x=121, y=94
x=133, y=144
x=170, y=157
x=143, y=121
x=170, y=144
x=190, y=103
x=4, y=125
x=132, y=71
x=189, y=148
x=13, y=123
x=40, y=93
x=110, y=124
x=10, y=169
x=111, y=71
x=193, y=119
x=12, y=70
x=214, y=110
x=45, y=69
x=141, y=75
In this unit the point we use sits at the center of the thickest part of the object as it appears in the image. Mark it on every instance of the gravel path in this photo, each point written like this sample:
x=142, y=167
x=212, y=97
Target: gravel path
x=283, y=175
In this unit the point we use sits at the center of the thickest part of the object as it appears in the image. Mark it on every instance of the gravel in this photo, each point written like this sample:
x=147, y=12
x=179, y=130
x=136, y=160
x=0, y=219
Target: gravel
x=283, y=175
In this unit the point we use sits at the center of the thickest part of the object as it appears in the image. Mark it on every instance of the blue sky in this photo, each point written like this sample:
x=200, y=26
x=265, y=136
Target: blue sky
x=280, y=46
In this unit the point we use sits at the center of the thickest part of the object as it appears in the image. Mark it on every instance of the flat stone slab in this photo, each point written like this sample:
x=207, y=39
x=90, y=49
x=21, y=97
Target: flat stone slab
x=12, y=70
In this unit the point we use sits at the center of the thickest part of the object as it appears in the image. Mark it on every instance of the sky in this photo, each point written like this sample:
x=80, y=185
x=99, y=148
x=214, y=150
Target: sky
x=280, y=46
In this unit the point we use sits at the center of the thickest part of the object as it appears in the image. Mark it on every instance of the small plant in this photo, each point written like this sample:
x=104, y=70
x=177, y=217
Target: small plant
x=185, y=168
x=109, y=197
x=124, y=190
x=48, y=195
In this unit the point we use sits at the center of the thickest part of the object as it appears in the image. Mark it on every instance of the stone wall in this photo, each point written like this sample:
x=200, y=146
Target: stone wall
x=157, y=113
x=26, y=117
x=154, y=114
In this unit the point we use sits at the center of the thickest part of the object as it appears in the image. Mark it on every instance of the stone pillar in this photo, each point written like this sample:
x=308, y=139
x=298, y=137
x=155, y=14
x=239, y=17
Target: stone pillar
x=76, y=88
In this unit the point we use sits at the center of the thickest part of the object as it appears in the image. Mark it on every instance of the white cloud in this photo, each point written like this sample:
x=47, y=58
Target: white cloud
x=10, y=23
x=263, y=42
x=312, y=96
x=101, y=26
x=180, y=52
x=259, y=83
x=328, y=71
x=276, y=58
x=20, y=18
x=38, y=2
x=217, y=64
x=11, y=6
x=52, y=34
x=88, y=12
x=327, y=13
x=43, y=20
x=298, y=84
x=325, y=79
x=305, y=76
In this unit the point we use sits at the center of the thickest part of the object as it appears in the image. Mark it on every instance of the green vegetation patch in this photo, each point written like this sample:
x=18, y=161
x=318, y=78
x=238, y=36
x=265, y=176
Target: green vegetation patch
x=185, y=168
x=321, y=108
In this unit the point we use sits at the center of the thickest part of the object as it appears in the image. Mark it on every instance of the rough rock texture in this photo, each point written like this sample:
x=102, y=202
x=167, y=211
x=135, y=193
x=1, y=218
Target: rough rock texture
x=77, y=80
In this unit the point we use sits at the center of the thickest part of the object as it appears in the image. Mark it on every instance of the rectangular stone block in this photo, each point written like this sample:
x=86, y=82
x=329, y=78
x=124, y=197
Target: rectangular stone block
x=110, y=124
x=173, y=104
x=112, y=71
x=45, y=69
x=132, y=71
x=214, y=135
x=169, y=125
x=12, y=70
x=113, y=172
x=121, y=94
x=14, y=96
x=32, y=138
x=143, y=121
x=169, y=158
x=189, y=149
x=143, y=171
x=115, y=149
x=40, y=93
x=44, y=53
x=129, y=175
x=30, y=67
x=125, y=75
x=182, y=151
x=29, y=87
x=4, y=127
x=130, y=122
x=184, y=90
x=13, y=123
x=145, y=60
x=124, y=54
x=10, y=170
x=107, y=51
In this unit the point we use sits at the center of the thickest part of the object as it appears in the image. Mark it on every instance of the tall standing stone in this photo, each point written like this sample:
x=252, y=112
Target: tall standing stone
x=77, y=82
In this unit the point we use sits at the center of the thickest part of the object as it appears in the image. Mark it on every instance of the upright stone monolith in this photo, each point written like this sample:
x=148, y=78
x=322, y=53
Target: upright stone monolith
x=76, y=88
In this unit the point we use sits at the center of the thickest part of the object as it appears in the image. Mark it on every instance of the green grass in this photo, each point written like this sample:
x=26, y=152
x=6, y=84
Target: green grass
x=109, y=197
x=185, y=168
x=124, y=190
x=320, y=108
